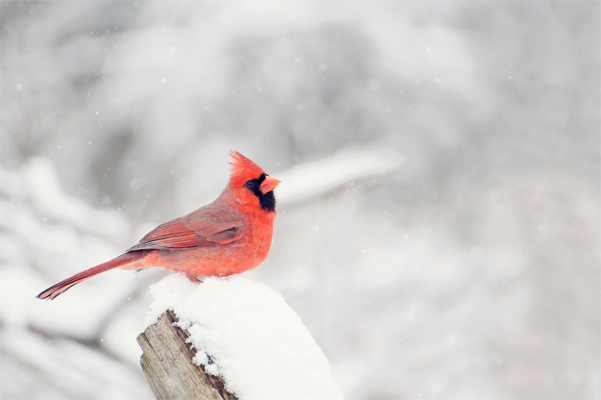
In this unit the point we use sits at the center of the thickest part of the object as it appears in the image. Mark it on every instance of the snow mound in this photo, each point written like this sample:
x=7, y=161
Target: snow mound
x=246, y=333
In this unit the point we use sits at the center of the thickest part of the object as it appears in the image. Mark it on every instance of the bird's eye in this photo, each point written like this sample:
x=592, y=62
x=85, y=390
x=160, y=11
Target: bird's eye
x=250, y=185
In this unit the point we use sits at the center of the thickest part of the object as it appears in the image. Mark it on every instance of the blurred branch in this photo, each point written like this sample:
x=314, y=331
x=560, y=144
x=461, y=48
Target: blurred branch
x=318, y=178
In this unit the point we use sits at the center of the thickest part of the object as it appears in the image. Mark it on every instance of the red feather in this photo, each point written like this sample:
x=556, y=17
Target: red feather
x=184, y=233
x=52, y=292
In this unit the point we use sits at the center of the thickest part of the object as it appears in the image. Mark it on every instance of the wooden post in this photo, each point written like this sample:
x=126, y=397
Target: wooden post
x=167, y=363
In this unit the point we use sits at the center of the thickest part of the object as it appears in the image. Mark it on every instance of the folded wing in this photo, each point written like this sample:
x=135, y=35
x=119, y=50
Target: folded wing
x=185, y=233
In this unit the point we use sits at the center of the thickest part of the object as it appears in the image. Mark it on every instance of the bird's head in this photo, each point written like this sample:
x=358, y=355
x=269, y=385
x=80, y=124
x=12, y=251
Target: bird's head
x=250, y=185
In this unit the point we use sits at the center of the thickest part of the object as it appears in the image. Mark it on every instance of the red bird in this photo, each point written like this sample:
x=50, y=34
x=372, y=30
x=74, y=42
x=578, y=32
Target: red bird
x=229, y=236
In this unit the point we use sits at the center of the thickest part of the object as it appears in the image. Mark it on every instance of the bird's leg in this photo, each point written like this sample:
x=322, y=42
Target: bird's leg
x=196, y=278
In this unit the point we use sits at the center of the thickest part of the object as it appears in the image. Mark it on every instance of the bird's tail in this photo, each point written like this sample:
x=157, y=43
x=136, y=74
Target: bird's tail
x=54, y=291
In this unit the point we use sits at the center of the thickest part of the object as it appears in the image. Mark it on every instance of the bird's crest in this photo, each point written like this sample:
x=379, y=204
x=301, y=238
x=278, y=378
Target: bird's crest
x=243, y=168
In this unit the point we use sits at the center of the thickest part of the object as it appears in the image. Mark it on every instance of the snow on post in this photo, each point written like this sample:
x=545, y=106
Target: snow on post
x=244, y=336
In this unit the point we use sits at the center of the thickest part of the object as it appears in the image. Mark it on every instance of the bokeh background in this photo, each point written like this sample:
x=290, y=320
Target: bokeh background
x=439, y=216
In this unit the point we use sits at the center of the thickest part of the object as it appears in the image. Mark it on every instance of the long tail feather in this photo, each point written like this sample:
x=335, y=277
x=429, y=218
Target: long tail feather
x=54, y=291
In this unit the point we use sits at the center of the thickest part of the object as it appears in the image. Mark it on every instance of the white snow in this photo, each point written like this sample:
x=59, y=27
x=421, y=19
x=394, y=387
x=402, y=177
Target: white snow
x=502, y=223
x=255, y=341
x=57, y=349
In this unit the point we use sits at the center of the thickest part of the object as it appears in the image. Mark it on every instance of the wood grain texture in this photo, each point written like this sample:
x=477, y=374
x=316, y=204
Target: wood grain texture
x=167, y=363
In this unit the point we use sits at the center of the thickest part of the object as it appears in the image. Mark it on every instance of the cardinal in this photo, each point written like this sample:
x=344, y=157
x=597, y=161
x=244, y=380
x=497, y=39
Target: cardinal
x=229, y=236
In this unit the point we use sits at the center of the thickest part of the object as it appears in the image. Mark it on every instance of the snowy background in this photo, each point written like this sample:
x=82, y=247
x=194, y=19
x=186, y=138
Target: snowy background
x=439, y=214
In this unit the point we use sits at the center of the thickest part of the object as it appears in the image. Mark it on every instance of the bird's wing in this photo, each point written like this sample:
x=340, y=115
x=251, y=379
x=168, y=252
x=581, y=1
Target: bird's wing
x=183, y=233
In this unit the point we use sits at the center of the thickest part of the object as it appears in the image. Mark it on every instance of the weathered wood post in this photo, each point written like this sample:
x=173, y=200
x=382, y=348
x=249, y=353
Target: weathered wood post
x=167, y=363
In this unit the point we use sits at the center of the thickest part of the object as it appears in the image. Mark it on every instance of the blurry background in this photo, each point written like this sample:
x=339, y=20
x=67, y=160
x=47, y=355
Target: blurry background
x=438, y=228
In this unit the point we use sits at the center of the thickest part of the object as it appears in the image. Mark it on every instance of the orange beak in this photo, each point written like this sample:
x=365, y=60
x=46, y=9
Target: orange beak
x=268, y=184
